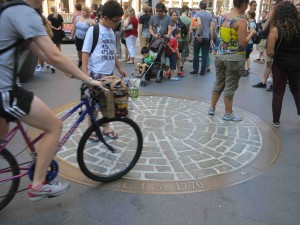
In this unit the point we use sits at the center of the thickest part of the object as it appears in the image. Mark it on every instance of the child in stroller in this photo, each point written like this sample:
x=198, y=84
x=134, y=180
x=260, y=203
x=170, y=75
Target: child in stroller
x=145, y=62
x=155, y=70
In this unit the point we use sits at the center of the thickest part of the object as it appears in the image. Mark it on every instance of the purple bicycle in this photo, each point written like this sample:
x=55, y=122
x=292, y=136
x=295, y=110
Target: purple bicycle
x=102, y=161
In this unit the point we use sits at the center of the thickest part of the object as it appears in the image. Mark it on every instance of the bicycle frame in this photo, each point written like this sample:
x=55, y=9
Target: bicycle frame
x=30, y=143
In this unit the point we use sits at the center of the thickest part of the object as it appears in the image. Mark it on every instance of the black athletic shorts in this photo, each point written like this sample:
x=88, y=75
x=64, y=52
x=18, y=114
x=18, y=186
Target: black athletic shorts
x=15, y=104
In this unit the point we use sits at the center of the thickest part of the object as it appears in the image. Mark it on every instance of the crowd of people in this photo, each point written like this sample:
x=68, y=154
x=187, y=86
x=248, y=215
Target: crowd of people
x=229, y=35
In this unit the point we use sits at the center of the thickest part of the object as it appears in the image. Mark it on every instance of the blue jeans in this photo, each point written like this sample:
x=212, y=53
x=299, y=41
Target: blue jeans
x=204, y=45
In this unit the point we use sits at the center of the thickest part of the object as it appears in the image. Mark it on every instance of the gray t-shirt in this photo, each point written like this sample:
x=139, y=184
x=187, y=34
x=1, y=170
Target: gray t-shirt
x=160, y=24
x=206, y=19
x=16, y=22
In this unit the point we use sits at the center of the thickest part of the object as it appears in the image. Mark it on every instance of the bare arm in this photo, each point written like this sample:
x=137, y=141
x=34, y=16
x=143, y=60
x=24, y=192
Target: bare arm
x=73, y=31
x=127, y=22
x=243, y=37
x=140, y=29
x=43, y=47
x=199, y=26
x=273, y=36
x=266, y=24
x=169, y=31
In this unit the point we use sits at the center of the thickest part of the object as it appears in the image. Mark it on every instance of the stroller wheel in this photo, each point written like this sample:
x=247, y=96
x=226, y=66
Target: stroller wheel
x=158, y=80
x=144, y=83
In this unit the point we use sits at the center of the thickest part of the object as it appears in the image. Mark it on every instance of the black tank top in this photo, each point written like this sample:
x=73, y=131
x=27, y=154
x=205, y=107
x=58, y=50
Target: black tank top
x=287, y=54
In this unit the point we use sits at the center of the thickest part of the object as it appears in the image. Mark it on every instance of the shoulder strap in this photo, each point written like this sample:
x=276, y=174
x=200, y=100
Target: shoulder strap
x=12, y=3
x=4, y=6
x=95, y=36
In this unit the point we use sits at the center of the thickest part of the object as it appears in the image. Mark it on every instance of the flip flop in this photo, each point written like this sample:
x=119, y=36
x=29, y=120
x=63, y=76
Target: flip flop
x=129, y=62
x=111, y=134
x=94, y=138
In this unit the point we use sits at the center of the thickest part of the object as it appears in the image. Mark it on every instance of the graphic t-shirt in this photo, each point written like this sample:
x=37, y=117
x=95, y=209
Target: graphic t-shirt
x=160, y=24
x=102, y=60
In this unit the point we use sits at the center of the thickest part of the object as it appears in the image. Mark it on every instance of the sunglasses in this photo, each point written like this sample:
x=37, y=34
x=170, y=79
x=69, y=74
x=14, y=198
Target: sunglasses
x=116, y=22
x=159, y=10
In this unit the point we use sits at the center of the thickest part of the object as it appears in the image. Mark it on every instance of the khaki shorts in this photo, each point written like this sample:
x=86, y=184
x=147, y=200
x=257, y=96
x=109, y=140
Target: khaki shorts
x=144, y=42
x=262, y=46
x=229, y=69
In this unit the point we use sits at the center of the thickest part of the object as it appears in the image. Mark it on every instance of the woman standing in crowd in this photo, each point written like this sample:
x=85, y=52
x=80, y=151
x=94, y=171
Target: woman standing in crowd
x=144, y=28
x=131, y=35
x=249, y=46
x=174, y=16
x=41, y=63
x=230, y=59
x=57, y=24
x=81, y=25
x=284, y=46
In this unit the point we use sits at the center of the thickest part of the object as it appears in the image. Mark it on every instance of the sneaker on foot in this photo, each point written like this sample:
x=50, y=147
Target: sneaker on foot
x=175, y=78
x=181, y=74
x=270, y=88
x=52, y=69
x=276, y=124
x=246, y=73
x=42, y=69
x=232, y=117
x=167, y=73
x=211, y=111
x=47, y=190
x=202, y=73
x=193, y=72
x=38, y=69
x=259, y=85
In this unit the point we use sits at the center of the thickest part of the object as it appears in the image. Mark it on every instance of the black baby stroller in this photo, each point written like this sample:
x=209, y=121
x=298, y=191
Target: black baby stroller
x=155, y=70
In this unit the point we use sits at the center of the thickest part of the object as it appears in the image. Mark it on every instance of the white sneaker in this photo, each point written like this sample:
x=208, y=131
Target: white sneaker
x=42, y=69
x=38, y=69
x=50, y=190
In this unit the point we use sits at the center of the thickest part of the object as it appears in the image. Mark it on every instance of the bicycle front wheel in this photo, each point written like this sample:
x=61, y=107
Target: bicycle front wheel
x=102, y=164
x=8, y=168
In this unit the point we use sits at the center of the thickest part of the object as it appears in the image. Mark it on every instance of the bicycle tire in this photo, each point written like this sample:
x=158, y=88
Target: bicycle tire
x=11, y=162
x=90, y=154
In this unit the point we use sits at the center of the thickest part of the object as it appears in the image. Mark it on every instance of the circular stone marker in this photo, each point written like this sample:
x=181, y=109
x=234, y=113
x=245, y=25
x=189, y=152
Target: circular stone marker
x=185, y=149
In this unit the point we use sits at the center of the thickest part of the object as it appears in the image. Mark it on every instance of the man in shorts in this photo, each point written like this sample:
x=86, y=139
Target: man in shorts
x=103, y=59
x=262, y=46
x=17, y=103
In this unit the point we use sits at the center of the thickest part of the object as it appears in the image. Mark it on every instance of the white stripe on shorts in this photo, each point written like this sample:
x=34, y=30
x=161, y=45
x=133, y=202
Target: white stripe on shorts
x=15, y=110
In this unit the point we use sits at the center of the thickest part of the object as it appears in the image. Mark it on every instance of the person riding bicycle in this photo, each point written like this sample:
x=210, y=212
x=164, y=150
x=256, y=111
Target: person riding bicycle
x=17, y=103
x=102, y=60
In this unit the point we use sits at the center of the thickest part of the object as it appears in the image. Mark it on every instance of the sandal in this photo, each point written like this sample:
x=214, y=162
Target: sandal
x=110, y=134
x=129, y=62
x=93, y=138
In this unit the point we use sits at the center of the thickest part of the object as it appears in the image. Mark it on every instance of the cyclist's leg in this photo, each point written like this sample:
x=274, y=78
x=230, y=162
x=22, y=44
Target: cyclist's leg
x=41, y=117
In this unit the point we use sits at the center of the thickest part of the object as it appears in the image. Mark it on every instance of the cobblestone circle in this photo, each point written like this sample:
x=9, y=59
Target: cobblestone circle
x=181, y=141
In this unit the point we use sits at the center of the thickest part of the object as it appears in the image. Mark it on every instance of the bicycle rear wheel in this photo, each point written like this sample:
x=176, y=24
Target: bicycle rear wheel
x=8, y=168
x=98, y=162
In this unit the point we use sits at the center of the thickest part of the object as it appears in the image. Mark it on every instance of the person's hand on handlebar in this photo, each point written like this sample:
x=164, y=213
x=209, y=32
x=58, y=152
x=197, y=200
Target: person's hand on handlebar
x=97, y=84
